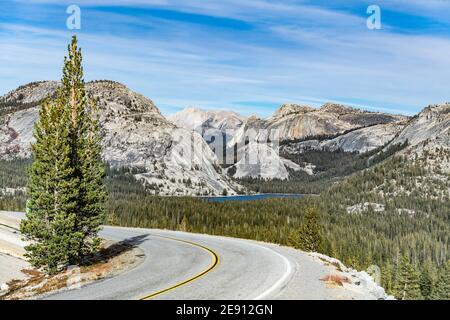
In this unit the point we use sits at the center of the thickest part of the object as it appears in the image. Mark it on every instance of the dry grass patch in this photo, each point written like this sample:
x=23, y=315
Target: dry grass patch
x=336, y=280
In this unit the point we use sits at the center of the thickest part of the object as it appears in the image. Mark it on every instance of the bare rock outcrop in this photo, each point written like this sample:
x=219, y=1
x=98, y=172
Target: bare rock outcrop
x=172, y=160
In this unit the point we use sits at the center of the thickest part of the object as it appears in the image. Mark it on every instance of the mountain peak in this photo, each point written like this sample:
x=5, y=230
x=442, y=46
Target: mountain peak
x=339, y=109
x=30, y=92
x=291, y=108
x=120, y=99
x=430, y=126
x=439, y=109
x=197, y=119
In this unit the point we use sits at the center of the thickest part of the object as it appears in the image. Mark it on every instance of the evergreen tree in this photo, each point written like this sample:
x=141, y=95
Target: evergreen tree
x=407, y=285
x=293, y=239
x=66, y=193
x=310, y=238
x=426, y=280
x=441, y=290
x=184, y=224
x=387, y=277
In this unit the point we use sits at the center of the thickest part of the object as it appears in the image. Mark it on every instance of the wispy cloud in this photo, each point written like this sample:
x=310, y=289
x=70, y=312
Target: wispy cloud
x=246, y=55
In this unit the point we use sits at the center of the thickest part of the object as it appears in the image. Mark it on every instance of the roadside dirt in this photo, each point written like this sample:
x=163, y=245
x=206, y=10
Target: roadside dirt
x=114, y=258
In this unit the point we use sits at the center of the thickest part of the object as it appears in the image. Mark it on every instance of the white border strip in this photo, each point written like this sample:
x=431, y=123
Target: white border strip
x=280, y=281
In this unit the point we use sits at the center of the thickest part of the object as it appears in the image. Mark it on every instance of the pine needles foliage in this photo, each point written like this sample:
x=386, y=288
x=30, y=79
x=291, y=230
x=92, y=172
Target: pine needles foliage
x=66, y=193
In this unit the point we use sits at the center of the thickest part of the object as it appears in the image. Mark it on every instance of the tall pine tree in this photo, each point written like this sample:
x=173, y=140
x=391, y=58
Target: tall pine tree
x=310, y=235
x=407, y=286
x=441, y=290
x=426, y=279
x=66, y=193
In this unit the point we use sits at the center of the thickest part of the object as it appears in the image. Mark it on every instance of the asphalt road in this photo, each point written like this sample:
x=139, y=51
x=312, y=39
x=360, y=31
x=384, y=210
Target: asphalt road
x=181, y=265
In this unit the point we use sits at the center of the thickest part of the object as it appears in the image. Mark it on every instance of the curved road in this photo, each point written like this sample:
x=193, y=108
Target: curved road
x=182, y=265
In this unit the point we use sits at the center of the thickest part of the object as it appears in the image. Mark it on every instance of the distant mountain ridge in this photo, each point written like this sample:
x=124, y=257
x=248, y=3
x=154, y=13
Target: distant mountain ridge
x=136, y=134
x=353, y=130
x=294, y=122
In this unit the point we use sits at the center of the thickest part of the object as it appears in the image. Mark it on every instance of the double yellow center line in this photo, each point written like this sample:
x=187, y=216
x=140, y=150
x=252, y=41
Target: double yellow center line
x=215, y=262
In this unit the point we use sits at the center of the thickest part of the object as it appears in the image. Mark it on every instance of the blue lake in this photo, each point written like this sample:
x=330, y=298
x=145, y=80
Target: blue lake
x=260, y=196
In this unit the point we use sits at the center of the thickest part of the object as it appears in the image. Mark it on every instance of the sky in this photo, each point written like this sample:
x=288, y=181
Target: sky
x=247, y=56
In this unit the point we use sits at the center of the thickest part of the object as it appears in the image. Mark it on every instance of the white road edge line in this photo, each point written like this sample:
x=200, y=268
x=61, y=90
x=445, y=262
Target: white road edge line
x=287, y=263
x=281, y=280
